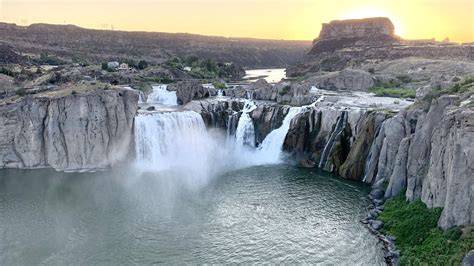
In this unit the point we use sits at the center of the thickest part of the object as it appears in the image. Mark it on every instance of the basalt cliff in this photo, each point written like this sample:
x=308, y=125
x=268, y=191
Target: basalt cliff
x=78, y=131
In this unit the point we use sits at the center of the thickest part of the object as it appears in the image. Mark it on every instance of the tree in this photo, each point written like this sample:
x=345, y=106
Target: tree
x=142, y=64
x=105, y=66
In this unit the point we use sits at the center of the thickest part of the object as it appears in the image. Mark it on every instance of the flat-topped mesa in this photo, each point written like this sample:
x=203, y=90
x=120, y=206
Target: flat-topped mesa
x=339, y=34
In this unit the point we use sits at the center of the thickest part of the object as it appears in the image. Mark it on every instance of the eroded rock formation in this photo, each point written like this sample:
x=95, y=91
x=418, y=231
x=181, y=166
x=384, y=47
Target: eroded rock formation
x=73, y=132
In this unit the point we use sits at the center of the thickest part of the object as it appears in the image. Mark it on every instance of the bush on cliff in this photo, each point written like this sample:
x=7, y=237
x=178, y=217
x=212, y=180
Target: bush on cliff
x=394, y=92
x=420, y=241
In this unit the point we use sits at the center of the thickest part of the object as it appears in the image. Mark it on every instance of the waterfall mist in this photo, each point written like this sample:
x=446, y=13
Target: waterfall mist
x=180, y=144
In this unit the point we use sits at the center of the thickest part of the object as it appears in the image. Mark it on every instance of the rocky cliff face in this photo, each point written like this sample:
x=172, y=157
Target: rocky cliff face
x=426, y=155
x=73, y=132
x=358, y=43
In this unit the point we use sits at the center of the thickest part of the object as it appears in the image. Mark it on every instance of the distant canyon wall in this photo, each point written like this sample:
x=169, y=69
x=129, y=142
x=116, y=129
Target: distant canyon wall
x=72, y=42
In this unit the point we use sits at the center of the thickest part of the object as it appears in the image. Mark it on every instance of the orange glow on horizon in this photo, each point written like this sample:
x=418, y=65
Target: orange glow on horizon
x=270, y=19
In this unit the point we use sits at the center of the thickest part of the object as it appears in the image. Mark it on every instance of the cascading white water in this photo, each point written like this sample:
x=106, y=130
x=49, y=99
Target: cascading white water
x=141, y=97
x=220, y=93
x=168, y=140
x=271, y=149
x=245, y=132
x=161, y=95
x=179, y=142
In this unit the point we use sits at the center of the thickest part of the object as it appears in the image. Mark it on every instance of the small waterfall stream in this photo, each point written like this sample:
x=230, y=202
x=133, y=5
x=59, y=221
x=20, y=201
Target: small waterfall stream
x=271, y=149
x=245, y=132
x=338, y=129
x=161, y=95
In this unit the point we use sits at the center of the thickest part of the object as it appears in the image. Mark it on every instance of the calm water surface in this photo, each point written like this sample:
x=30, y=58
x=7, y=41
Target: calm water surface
x=273, y=75
x=276, y=214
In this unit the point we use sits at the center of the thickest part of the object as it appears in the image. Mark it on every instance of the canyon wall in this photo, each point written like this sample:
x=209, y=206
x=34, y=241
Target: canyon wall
x=426, y=154
x=73, y=132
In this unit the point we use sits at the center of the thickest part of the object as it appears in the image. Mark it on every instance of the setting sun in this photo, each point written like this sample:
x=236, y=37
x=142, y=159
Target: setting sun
x=368, y=12
x=273, y=19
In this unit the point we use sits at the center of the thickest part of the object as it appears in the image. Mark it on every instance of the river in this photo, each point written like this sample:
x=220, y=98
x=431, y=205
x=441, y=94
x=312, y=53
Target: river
x=276, y=214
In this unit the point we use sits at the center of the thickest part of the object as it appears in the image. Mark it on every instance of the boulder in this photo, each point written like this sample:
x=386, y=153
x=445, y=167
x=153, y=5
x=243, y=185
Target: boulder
x=376, y=225
x=187, y=91
x=262, y=90
x=469, y=259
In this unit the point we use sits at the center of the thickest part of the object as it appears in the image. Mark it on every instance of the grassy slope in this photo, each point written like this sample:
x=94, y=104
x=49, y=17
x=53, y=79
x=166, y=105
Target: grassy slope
x=419, y=239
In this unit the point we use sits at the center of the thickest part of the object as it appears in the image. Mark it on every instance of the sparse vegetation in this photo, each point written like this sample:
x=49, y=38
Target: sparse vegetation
x=464, y=87
x=219, y=85
x=206, y=68
x=46, y=59
x=142, y=65
x=419, y=239
x=296, y=79
x=7, y=72
x=21, y=92
x=396, y=92
x=284, y=90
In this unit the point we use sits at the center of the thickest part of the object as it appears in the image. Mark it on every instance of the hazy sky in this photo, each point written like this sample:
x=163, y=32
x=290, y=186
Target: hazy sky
x=275, y=19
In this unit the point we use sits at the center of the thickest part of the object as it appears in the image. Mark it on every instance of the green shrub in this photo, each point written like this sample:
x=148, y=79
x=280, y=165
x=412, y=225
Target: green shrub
x=394, y=92
x=142, y=64
x=419, y=239
x=73, y=92
x=21, y=92
x=285, y=90
x=371, y=70
x=219, y=85
x=46, y=59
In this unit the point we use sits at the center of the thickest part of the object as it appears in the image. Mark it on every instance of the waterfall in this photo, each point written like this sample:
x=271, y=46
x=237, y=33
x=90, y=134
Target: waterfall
x=220, y=93
x=338, y=129
x=172, y=140
x=232, y=123
x=141, y=97
x=249, y=95
x=161, y=95
x=245, y=132
x=272, y=146
x=178, y=142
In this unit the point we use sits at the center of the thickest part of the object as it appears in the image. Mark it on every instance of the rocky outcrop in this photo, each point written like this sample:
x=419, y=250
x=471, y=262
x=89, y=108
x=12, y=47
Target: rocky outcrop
x=365, y=42
x=347, y=79
x=73, y=132
x=187, y=91
x=427, y=156
x=339, y=34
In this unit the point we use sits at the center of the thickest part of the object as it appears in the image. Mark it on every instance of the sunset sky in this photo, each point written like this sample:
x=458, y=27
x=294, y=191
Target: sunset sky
x=274, y=19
